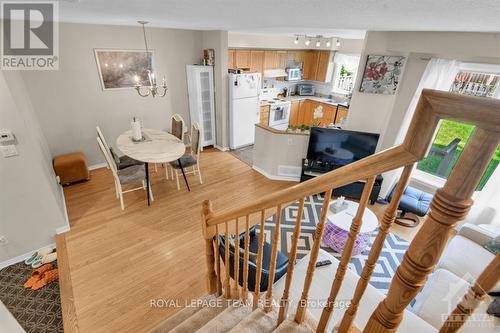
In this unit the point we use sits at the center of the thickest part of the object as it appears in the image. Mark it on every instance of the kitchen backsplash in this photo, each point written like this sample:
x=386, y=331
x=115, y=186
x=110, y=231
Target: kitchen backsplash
x=323, y=89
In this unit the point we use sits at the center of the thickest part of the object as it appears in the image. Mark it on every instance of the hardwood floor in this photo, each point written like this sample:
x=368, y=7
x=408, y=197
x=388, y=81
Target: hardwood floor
x=116, y=262
x=113, y=263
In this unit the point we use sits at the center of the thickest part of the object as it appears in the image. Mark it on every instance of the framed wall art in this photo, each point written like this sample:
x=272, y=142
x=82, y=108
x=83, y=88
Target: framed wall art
x=382, y=74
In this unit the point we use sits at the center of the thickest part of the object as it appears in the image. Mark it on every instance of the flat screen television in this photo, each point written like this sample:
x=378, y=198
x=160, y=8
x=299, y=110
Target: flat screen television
x=340, y=147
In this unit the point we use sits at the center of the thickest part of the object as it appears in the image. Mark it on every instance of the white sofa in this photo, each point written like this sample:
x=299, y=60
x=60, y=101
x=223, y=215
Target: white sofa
x=464, y=254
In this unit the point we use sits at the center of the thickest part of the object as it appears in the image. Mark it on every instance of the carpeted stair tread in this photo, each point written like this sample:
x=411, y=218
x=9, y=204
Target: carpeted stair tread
x=168, y=324
x=226, y=320
x=200, y=318
x=257, y=322
x=290, y=326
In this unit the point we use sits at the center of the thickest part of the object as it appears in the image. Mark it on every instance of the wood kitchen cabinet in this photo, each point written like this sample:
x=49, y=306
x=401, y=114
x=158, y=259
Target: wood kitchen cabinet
x=242, y=58
x=302, y=113
x=270, y=60
x=282, y=59
x=310, y=65
x=324, y=69
x=294, y=113
x=257, y=61
x=264, y=115
x=230, y=59
x=341, y=114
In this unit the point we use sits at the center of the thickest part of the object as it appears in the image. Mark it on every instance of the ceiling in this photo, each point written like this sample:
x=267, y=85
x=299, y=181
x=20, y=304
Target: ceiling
x=347, y=18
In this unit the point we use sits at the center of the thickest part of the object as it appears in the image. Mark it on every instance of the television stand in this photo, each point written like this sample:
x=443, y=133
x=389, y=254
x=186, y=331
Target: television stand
x=353, y=190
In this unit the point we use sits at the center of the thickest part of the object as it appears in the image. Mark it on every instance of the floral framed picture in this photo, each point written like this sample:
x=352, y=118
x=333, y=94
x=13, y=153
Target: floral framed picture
x=382, y=74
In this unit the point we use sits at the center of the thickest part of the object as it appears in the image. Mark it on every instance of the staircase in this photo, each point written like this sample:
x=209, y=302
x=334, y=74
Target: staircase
x=450, y=204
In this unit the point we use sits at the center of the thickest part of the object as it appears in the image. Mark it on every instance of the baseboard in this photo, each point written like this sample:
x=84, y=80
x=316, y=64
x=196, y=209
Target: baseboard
x=97, y=166
x=275, y=177
x=221, y=148
x=22, y=257
x=62, y=230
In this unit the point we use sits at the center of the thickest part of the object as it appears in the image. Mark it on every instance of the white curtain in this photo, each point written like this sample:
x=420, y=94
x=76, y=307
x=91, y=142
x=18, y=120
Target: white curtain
x=486, y=209
x=439, y=75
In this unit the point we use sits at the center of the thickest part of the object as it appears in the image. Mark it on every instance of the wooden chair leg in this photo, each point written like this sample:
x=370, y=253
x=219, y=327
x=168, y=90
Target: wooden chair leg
x=151, y=192
x=122, y=204
x=116, y=190
x=199, y=173
x=177, y=180
x=166, y=171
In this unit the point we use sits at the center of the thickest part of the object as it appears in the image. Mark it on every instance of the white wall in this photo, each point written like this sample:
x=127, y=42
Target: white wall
x=31, y=207
x=384, y=114
x=265, y=41
x=217, y=40
x=70, y=102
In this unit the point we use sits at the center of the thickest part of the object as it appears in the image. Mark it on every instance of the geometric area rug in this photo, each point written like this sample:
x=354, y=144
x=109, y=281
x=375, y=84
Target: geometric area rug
x=36, y=311
x=389, y=260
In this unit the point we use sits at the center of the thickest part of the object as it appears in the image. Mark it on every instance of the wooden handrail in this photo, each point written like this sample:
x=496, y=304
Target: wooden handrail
x=432, y=106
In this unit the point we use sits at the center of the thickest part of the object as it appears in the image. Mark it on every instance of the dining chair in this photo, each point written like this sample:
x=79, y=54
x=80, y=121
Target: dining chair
x=191, y=159
x=121, y=162
x=177, y=126
x=131, y=175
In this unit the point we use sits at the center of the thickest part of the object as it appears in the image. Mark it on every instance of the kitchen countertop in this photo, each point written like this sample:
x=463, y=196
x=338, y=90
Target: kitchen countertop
x=312, y=98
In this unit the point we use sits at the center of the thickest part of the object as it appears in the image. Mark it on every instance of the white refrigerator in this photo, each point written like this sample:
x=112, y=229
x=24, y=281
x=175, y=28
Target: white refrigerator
x=244, y=92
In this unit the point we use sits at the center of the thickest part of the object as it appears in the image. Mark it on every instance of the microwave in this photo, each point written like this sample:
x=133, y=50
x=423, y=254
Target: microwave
x=293, y=74
x=305, y=90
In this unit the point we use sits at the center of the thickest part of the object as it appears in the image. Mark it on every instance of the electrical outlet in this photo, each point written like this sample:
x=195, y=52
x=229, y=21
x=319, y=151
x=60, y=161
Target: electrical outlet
x=3, y=241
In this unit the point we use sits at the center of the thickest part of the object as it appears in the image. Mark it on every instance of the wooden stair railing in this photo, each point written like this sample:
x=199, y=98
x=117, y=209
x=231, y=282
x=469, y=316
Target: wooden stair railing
x=450, y=204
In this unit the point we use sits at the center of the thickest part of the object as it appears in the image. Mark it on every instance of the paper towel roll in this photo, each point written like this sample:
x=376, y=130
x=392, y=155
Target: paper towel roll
x=136, y=130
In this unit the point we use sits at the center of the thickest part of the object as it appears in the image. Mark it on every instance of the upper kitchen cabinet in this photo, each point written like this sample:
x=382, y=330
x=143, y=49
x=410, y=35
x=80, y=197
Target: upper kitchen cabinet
x=282, y=59
x=230, y=59
x=242, y=58
x=257, y=61
x=271, y=60
x=324, y=70
x=310, y=65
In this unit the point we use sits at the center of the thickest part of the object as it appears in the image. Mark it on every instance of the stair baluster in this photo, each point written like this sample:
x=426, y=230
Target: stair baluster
x=245, y=259
x=272, y=266
x=357, y=221
x=291, y=264
x=258, y=273
x=227, y=284
x=377, y=246
x=301, y=307
x=486, y=281
x=217, y=261
x=209, y=233
x=236, y=260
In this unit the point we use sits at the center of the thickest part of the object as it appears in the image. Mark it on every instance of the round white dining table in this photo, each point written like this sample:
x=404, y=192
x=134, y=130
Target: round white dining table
x=158, y=147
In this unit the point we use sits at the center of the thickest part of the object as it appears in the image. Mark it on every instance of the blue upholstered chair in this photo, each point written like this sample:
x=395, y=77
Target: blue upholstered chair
x=413, y=202
x=281, y=260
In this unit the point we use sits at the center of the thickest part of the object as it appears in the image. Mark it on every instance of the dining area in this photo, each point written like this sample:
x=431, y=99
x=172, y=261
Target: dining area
x=174, y=153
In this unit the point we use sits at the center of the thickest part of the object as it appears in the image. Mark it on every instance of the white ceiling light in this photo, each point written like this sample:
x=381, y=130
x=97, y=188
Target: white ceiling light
x=328, y=43
x=318, y=43
x=338, y=42
x=296, y=41
x=308, y=41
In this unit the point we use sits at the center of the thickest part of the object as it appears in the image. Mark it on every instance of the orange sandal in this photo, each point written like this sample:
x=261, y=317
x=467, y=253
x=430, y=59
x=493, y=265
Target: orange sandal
x=37, y=274
x=47, y=278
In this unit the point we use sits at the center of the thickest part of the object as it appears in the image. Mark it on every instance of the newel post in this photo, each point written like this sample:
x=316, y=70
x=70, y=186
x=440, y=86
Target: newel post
x=450, y=205
x=208, y=235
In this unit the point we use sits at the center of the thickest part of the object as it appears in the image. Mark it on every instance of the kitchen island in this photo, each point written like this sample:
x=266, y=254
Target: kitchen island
x=278, y=154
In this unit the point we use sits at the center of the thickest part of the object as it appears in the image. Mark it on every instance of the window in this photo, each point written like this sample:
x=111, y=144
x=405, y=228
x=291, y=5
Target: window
x=346, y=66
x=452, y=136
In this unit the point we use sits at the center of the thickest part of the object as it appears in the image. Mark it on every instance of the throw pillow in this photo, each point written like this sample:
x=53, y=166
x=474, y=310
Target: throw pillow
x=252, y=256
x=493, y=245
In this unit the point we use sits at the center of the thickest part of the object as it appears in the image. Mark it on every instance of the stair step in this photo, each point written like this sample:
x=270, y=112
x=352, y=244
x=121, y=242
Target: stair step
x=200, y=318
x=226, y=320
x=289, y=326
x=257, y=322
x=179, y=317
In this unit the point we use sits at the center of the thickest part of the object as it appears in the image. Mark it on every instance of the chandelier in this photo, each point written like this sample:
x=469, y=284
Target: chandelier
x=153, y=88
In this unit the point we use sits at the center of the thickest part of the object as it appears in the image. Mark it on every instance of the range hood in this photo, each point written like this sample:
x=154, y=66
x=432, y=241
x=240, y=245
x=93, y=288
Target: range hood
x=273, y=73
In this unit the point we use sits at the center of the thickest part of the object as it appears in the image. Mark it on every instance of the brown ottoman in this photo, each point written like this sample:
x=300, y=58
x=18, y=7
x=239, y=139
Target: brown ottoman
x=71, y=167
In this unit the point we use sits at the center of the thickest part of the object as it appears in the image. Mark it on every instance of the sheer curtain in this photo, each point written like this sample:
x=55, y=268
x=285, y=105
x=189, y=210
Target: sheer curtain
x=486, y=209
x=439, y=74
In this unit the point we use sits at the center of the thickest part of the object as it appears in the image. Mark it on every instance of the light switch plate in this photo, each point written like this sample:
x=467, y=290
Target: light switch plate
x=9, y=151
